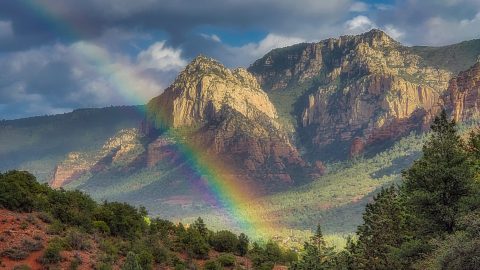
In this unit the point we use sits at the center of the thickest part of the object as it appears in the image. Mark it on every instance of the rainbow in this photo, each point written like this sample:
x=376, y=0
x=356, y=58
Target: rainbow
x=229, y=194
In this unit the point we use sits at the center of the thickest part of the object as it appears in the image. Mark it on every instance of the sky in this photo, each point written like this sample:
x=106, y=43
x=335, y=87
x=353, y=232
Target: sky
x=56, y=56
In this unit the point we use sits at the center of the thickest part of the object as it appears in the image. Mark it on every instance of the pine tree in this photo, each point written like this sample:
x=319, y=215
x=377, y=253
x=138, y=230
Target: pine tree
x=435, y=184
x=316, y=254
x=383, y=231
x=200, y=226
x=243, y=242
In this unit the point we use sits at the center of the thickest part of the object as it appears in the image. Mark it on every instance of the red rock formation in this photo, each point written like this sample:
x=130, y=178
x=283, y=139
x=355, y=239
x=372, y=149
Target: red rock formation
x=462, y=97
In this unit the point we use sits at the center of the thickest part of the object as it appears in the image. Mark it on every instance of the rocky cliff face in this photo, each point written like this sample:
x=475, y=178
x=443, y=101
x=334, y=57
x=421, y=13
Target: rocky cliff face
x=462, y=97
x=355, y=90
x=225, y=113
x=121, y=150
x=203, y=89
x=220, y=112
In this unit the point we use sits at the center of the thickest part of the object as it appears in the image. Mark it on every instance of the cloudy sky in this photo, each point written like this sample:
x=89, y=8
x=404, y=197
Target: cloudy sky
x=56, y=56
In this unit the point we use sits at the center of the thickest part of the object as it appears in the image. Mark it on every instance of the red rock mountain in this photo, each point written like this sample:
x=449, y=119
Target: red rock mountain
x=354, y=91
x=220, y=112
x=463, y=95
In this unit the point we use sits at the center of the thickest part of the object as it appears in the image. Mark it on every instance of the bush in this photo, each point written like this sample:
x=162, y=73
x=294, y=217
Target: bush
x=145, y=259
x=226, y=260
x=19, y=191
x=224, y=241
x=123, y=220
x=52, y=253
x=212, y=265
x=131, y=262
x=31, y=245
x=15, y=254
x=77, y=240
x=55, y=228
x=45, y=217
x=22, y=267
x=76, y=262
x=101, y=227
x=160, y=254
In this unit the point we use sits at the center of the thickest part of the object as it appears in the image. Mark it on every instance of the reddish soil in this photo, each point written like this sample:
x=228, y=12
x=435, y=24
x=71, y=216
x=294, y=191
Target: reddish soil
x=18, y=227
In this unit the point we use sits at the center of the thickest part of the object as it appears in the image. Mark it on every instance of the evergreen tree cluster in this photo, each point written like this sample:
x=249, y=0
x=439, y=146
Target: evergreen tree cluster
x=430, y=221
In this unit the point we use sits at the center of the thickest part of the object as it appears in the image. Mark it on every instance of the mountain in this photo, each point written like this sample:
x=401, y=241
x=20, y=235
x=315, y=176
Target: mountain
x=39, y=143
x=344, y=94
x=221, y=115
x=315, y=128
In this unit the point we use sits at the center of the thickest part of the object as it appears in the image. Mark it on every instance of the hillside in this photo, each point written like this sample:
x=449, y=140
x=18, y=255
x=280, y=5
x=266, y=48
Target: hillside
x=39, y=143
x=42, y=228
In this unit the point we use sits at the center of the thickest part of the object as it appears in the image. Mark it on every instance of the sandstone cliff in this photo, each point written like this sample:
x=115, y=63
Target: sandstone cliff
x=225, y=113
x=353, y=90
x=463, y=95
x=219, y=112
x=120, y=150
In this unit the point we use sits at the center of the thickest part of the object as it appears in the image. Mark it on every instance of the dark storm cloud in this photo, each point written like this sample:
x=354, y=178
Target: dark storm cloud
x=433, y=22
x=43, y=21
x=43, y=69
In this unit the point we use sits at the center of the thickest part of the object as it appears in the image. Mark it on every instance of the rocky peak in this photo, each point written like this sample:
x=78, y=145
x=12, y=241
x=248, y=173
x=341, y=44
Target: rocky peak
x=463, y=95
x=203, y=89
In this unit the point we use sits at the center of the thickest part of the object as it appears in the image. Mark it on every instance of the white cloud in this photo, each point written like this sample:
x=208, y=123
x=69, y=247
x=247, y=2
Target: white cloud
x=6, y=29
x=359, y=24
x=394, y=32
x=59, y=78
x=160, y=57
x=252, y=51
x=435, y=30
x=359, y=7
x=212, y=37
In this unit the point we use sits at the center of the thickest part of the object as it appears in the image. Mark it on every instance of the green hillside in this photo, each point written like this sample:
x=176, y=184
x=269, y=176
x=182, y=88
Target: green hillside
x=39, y=143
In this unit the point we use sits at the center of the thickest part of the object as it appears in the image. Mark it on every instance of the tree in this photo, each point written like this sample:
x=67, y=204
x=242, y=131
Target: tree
x=384, y=230
x=436, y=183
x=316, y=254
x=242, y=246
x=200, y=226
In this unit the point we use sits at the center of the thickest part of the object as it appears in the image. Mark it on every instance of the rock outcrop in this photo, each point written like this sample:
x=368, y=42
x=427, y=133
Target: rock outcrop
x=203, y=89
x=463, y=95
x=121, y=150
x=226, y=114
x=218, y=112
x=365, y=88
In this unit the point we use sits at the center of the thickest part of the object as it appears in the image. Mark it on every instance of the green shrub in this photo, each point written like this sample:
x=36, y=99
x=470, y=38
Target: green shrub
x=55, y=228
x=22, y=267
x=226, y=260
x=77, y=240
x=31, y=245
x=224, y=241
x=212, y=265
x=76, y=262
x=45, y=217
x=52, y=253
x=131, y=262
x=101, y=227
x=16, y=254
x=19, y=191
x=145, y=259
